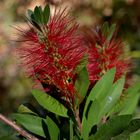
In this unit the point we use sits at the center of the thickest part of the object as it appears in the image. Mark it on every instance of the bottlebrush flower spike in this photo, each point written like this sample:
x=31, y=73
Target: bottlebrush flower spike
x=51, y=50
x=105, y=52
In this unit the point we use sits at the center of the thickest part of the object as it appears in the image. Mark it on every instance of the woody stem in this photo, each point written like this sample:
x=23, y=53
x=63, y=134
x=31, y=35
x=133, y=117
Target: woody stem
x=78, y=120
x=17, y=128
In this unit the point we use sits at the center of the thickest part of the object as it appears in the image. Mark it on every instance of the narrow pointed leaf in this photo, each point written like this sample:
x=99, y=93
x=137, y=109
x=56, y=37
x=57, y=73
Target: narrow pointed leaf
x=50, y=103
x=112, y=127
x=83, y=63
x=113, y=97
x=34, y=125
x=98, y=93
x=133, y=126
x=98, y=110
x=31, y=123
x=131, y=100
x=9, y=137
x=46, y=14
x=53, y=129
x=111, y=31
x=30, y=12
x=38, y=15
x=45, y=129
x=24, y=109
x=105, y=29
x=91, y=118
x=130, y=96
x=82, y=84
x=101, y=88
x=71, y=129
x=135, y=136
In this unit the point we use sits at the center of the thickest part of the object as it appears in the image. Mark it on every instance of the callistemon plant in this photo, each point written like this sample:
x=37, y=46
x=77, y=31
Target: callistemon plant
x=52, y=50
x=83, y=78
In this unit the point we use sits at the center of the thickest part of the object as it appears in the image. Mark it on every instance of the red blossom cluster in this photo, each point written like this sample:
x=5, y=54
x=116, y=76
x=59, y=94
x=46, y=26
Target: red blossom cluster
x=105, y=54
x=53, y=55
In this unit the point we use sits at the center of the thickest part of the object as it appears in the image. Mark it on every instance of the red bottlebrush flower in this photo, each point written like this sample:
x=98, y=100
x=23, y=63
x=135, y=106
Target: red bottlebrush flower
x=104, y=54
x=52, y=54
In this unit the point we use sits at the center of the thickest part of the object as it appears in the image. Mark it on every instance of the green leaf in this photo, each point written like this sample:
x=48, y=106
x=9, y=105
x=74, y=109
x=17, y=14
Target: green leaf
x=71, y=129
x=135, y=136
x=34, y=19
x=34, y=125
x=105, y=29
x=46, y=14
x=92, y=114
x=38, y=15
x=50, y=103
x=111, y=99
x=132, y=106
x=31, y=123
x=24, y=109
x=112, y=127
x=82, y=84
x=52, y=128
x=111, y=31
x=130, y=96
x=108, y=31
x=98, y=93
x=101, y=88
x=121, y=137
x=34, y=22
x=99, y=110
x=45, y=129
x=133, y=126
x=130, y=100
x=91, y=117
x=10, y=137
x=30, y=13
x=5, y=130
x=83, y=63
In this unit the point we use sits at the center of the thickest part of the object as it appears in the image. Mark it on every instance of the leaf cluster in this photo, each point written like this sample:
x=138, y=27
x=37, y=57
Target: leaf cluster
x=102, y=119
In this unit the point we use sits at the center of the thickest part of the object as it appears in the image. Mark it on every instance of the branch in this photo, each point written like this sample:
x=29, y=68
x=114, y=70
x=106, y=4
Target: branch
x=17, y=128
x=78, y=120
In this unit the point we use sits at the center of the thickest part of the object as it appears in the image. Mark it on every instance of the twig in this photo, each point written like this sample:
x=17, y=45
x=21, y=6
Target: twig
x=17, y=128
x=78, y=120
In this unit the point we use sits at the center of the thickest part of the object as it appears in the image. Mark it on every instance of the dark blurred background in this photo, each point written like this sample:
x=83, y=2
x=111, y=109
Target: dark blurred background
x=14, y=85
